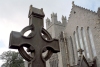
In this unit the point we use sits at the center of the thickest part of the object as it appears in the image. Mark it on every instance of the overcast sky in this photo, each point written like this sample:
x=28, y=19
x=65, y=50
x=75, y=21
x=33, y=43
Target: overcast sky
x=14, y=14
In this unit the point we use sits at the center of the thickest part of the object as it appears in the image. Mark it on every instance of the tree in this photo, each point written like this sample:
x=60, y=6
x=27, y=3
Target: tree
x=12, y=59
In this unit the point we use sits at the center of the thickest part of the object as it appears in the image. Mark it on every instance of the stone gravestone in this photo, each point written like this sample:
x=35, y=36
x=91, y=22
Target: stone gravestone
x=37, y=42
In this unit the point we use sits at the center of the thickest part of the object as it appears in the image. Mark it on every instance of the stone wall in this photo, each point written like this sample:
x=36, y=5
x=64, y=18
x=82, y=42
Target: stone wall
x=54, y=27
x=84, y=18
x=82, y=31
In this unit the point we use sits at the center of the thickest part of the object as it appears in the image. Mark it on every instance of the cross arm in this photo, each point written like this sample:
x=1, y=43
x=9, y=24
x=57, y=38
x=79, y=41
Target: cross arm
x=54, y=45
x=15, y=40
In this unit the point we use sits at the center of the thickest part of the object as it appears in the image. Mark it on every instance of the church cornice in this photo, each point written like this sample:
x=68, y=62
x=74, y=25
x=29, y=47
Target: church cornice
x=74, y=5
x=85, y=9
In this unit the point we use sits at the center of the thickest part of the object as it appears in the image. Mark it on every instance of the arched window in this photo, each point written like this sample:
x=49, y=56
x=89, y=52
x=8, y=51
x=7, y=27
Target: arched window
x=77, y=39
x=86, y=52
x=75, y=47
x=80, y=39
x=93, y=51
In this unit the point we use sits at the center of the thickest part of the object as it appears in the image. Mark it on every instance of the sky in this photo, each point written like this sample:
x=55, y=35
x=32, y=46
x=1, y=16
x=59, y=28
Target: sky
x=14, y=14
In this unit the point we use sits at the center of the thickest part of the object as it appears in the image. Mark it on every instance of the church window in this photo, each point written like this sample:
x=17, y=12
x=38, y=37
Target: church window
x=75, y=48
x=77, y=39
x=80, y=39
x=91, y=42
x=80, y=42
x=86, y=52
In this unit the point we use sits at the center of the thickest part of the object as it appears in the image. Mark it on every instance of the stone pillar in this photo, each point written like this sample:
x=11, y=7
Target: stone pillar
x=63, y=49
x=71, y=51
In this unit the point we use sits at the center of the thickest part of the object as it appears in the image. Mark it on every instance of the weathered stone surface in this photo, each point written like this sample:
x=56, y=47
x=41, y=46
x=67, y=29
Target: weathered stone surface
x=37, y=42
x=85, y=20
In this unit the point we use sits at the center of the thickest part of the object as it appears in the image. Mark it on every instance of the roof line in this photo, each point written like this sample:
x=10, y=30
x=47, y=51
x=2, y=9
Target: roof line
x=85, y=9
x=81, y=8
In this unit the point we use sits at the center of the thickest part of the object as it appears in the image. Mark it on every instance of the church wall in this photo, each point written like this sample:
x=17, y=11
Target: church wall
x=54, y=27
x=82, y=17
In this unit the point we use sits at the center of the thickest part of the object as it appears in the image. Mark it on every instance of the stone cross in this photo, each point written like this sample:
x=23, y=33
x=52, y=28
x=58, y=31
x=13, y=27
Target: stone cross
x=37, y=42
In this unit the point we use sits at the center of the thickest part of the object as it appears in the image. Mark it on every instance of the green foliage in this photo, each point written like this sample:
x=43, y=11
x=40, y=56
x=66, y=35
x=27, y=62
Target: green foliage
x=12, y=59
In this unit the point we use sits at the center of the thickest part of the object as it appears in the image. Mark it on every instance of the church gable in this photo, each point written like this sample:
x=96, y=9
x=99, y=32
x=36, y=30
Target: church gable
x=81, y=33
x=79, y=10
x=82, y=17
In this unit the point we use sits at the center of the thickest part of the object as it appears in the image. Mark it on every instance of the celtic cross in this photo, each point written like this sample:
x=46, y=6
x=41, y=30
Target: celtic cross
x=37, y=42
